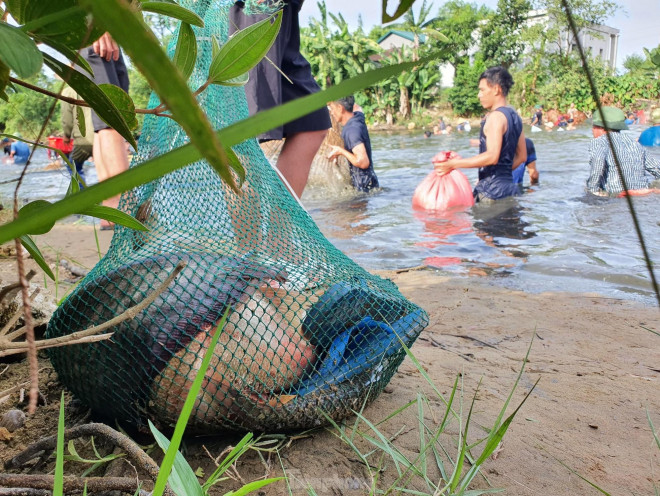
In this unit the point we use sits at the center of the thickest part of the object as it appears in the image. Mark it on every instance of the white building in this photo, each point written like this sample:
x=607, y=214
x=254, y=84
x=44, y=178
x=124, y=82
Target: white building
x=598, y=40
x=395, y=40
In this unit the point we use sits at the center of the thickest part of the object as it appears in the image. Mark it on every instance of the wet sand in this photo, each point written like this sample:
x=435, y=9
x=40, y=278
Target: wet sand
x=598, y=366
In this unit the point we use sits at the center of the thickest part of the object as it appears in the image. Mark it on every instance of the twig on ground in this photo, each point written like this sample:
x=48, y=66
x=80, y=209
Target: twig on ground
x=30, y=345
x=17, y=285
x=12, y=322
x=71, y=484
x=438, y=344
x=90, y=335
x=14, y=389
x=132, y=450
x=464, y=336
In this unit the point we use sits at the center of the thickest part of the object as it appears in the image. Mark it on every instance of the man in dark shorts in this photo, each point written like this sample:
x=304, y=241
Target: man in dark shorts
x=529, y=164
x=110, y=154
x=501, y=140
x=268, y=87
x=357, y=145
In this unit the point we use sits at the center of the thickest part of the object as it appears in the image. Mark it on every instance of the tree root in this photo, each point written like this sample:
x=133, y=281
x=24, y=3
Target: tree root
x=143, y=461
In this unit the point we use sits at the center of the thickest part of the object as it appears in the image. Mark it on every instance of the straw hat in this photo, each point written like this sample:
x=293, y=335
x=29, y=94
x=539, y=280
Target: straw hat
x=614, y=117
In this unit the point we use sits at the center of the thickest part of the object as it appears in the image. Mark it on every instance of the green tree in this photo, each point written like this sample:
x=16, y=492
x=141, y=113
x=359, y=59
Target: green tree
x=458, y=21
x=26, y=111
x=502, y=41
x=463, y=96
x=634, y=63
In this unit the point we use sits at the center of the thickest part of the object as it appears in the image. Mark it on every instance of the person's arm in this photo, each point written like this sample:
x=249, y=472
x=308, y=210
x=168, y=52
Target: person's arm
x=357, y=156
x=597, y=162
x=520, y=156
x=494, y=130
x=533, y=172
x=652, y=165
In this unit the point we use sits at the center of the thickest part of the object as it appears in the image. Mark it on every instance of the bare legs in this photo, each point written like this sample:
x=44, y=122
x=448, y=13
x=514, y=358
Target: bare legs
x=296, y=157
x=110, y=159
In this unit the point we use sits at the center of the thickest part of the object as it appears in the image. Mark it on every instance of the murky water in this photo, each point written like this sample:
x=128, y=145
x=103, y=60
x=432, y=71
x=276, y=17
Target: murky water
x=553, y=238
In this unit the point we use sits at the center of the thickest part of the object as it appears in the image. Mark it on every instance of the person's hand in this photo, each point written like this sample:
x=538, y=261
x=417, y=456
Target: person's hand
x=442, y=168
x=534, y=176
x=335, y=152
x=66, y=140
x=106, y=47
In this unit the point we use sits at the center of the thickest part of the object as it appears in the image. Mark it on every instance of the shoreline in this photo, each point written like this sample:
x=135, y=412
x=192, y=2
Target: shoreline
x=596, y=361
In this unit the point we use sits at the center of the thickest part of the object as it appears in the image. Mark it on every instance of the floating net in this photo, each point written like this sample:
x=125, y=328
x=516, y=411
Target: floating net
x=309, y=332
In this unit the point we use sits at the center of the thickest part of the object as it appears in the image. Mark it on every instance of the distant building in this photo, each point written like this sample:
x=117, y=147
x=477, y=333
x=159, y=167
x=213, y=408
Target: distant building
x=395, y=40
x=598, y=40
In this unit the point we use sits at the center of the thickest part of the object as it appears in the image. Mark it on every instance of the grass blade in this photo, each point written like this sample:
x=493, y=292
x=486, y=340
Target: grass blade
x=58, y=486
x=173, y=449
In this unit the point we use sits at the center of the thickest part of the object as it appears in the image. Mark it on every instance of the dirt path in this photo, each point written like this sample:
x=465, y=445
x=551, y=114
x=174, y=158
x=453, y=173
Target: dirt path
x=599, y=372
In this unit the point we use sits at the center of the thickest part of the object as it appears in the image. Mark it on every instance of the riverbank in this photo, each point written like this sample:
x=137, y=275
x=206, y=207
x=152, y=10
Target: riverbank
x=596, y=362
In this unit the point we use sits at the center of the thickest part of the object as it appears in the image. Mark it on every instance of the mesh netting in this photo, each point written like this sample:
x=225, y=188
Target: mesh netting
x=309, y=330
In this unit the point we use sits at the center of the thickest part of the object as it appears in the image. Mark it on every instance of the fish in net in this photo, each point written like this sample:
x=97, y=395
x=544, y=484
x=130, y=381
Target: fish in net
x=309, y=332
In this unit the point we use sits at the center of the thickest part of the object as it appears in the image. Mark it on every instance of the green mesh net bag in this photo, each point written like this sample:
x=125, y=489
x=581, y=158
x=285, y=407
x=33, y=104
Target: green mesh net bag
x=308, y=331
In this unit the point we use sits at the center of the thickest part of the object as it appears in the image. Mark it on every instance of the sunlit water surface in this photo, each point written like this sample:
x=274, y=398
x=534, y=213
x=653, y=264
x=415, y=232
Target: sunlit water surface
x=553, y=238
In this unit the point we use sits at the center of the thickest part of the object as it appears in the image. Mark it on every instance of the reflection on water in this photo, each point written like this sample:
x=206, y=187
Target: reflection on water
x=552, y=238
x=555, y=237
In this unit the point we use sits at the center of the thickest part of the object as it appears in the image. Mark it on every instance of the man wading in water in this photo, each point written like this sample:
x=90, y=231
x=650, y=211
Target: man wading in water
x=501, y=141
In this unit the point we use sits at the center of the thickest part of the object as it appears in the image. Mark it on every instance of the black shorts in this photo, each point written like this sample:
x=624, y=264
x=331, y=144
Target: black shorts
x=267, y=87
x=113, y=72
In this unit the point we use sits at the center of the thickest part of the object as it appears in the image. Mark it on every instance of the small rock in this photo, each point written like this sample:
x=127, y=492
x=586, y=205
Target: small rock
x=388, y=390
x=13, y=420
x=4, y=434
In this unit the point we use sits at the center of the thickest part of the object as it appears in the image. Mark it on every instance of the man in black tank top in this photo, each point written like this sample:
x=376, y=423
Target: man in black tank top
x=501, y=142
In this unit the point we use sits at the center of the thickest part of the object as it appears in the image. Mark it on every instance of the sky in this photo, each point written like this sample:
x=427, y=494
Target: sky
x=638, y=20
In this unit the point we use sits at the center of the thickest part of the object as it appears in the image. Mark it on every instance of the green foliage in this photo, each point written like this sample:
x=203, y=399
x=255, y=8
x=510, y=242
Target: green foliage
x=26, y=110
x=463, y=96
x=502, y=42
x=458, y=20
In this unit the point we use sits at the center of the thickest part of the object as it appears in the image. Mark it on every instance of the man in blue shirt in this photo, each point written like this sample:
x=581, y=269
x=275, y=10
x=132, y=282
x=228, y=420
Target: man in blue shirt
x=19, y=152
x=357, y=145
x=651, y=137
x=529, y=164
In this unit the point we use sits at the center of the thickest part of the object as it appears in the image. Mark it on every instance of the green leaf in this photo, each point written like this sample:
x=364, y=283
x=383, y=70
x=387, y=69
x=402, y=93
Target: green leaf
x=235, y=164
x=215, y=47
x=18, y=51
x=58, y=485
x=114, y=215
x=185, y=54
x=122, y=102
x=94, y=96
x=34, y=208
x=4, y=81
x=173, y=10
x=237, y=81
x=29, y=244
x=404, y=5
x=73, y=55
x=80, y=114
x=182, y=479
x=141, y=45
x=187, y=154
x=72, y=30
x=245, y=49
x=253, y=486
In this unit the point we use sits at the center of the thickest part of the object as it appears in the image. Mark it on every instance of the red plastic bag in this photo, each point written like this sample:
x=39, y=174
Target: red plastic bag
x=443, y=192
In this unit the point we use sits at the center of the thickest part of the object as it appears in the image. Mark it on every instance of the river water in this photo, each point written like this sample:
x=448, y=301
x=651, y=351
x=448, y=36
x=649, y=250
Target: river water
x=553, y=238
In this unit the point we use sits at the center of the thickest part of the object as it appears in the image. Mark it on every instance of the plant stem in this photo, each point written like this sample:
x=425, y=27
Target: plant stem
x=158, y=111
